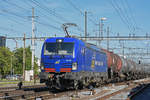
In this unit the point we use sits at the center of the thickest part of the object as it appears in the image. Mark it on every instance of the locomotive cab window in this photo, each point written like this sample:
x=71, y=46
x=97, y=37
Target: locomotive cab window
x=61, y=48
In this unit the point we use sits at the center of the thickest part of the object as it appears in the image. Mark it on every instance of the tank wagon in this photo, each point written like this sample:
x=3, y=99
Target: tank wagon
x=71, y=63
x=120, y=68
x=132, y=70
x=114, y=63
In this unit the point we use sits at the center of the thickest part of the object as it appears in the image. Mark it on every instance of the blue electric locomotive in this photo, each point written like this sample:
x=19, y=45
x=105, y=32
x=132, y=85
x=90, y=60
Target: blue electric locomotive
x=71, y=63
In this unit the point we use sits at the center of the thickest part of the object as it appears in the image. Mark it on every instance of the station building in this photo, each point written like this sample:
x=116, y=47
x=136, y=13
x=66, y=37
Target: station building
x=2, y=41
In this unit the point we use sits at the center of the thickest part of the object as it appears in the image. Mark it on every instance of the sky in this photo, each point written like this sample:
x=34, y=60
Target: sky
x=123, y=17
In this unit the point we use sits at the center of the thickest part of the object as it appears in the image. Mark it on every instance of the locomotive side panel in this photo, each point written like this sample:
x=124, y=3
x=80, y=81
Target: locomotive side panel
x=95, y=61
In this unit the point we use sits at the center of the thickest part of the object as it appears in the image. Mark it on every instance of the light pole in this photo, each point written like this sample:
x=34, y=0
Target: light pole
x=33, y=45
x=101, y=28
x=12, y=65
x=101, y=25
x=85, y=24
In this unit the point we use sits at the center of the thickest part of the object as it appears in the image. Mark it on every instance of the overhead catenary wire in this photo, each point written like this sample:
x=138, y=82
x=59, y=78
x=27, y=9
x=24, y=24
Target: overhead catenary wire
x=14, y=19
x=49, y=11
x=4, y=11
x=123, y=19
x=79, y=28
x=75, y=7
x=13, y=4
x=13, y=13
x=56, y=15
x=123, y=9
x=79, y=10
x=19, y=16
x=129, y=14
x=93, y=18
x=49, y=25
x=137, y=27
x=82, y=13
x=9, y=29
x=45, y=16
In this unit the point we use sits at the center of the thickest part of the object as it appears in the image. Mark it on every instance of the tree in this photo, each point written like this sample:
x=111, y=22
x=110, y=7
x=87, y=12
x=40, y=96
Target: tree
x=5, y=60
x=14, y=59
x=18, y=53
x=36, y=72
x=18, y=61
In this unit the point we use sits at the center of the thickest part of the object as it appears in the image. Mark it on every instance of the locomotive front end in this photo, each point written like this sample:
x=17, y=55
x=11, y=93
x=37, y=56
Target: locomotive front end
x=58, y=58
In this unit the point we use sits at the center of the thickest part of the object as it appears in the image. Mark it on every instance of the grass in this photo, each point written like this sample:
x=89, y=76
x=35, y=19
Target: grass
x=14, y=82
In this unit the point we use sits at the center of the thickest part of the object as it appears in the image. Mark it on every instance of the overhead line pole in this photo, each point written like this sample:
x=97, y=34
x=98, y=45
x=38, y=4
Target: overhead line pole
x=123, y=49
x=33, y=43
x=24, y=56
x=99, y=31
x=108, y=38
x=85, y=25
x=101, y=28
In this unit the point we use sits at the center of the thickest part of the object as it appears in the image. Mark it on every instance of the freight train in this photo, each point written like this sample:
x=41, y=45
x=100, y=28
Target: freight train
x=68, y=62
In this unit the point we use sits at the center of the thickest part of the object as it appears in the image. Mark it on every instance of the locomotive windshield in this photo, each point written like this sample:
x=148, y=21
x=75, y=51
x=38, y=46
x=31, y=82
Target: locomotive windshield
x=58, y=48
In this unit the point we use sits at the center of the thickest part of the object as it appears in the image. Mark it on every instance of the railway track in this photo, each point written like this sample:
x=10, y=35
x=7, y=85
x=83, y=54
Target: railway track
x=103, y=93
x=14, y=92
x=29, y=94
x=15, y=87
x=129, y=86
x=107, y=92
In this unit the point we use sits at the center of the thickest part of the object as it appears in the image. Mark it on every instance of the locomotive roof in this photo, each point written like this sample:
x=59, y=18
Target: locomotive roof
x=67, y=39
x=93, y=46
x=70, y=39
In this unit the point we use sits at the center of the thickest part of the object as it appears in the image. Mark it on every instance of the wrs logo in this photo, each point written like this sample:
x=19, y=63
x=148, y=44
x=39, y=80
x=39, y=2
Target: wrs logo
x=57, y=62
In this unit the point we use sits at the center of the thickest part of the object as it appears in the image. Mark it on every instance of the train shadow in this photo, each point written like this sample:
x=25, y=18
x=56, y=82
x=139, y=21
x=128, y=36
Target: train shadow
x=40, y=89
x=52, y=90
x=137, y=89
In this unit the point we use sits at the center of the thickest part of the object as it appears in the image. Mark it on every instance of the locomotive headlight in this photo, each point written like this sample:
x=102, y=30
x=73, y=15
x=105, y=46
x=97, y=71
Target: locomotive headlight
x=59, y=40
x=74, y=66
x=42, y=66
